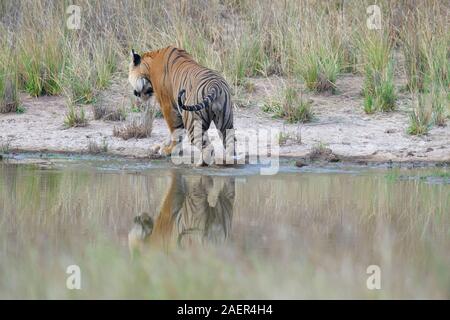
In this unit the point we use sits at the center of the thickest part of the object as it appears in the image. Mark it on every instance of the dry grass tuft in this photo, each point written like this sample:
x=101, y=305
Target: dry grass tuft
x=75, y=117
x=137, y=128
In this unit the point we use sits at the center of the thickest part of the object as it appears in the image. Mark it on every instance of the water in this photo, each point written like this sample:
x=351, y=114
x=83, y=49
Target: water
x=140, y=230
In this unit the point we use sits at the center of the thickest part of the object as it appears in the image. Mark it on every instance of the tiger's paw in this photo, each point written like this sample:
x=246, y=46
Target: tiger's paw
x=166, y=151
x=155, y=149
x=208, y=157
x=154, y=152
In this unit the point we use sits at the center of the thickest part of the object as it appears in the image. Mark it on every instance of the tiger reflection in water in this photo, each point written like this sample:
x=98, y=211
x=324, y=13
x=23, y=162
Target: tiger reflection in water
x=196, y=210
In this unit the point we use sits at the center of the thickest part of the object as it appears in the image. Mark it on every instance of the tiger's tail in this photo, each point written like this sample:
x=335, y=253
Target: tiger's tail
x=199, y=106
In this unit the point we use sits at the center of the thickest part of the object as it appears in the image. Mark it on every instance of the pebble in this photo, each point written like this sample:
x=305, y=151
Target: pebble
x=300, y=163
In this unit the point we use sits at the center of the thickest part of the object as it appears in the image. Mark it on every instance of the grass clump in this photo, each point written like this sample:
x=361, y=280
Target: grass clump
x=285, y=138
x=75, y=117
x=80, y=79
x=109, y=114
x=421, y=116
x=41, y=62
x=107, y=110
x=424, y=42
x=138, y=128
x=319, y=70
x=9, y=95
x=439, y=105
x=89, y=70
x=378, y=87
x=96, y=148
x=132, y=130
x=290, y=105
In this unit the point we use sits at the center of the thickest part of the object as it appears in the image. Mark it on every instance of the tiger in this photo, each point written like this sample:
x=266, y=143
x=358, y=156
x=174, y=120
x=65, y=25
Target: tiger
x=196, y=210
x=189, y=95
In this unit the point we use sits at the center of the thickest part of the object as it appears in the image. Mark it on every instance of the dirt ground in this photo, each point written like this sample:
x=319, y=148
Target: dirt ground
x=339, y=124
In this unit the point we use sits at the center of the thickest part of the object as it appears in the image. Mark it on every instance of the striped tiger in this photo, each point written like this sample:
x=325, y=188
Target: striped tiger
x=190, y=96
x=196, y=210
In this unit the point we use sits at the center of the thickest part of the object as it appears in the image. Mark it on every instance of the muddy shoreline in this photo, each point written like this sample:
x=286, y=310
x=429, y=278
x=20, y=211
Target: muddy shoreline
x=339, y=126
x=45, y=157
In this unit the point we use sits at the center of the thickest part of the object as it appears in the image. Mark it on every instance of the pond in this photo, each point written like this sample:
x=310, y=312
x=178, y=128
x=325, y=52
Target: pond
x=134, y=229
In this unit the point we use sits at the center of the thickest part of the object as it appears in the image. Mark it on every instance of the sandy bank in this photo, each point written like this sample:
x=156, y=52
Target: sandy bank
x=340, y=125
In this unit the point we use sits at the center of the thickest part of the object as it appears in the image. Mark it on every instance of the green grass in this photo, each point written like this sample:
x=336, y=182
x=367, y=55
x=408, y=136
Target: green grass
x=420, y=117
x=416, y=64
x=9, y=96
x=106, y=62
x=80, y=79
x=9, y=93
x=290, y=105
x=319, y=70
x=283, y=137
x=424, y=39
x=395, y=175
x=41, y=60
x=312, y=42
x=20, y=109
x=368, y=104
x=75, y=117
x=96, y=148
x=439, y=104
x=378, y=87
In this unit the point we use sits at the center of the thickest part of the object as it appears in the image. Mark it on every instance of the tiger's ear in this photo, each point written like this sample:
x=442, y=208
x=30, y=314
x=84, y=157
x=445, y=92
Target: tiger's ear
x=135, y=57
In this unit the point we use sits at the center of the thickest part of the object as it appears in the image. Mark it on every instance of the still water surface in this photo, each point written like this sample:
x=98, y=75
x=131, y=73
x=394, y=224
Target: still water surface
x=139, y=230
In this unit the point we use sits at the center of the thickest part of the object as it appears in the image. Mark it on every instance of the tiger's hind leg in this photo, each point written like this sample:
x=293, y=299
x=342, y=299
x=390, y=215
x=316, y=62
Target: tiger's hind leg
x=229, y=143
x=197, y=125
x=224, y=125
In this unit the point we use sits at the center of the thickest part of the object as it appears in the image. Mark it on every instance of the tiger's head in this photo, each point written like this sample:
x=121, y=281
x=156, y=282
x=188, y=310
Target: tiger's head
x=139, y=78
x=142, y=229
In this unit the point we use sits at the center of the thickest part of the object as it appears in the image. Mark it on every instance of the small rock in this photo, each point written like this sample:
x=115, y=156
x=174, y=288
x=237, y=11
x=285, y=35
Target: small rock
x=390, y=163
x=323, y=154
x=1, y=157
x=390, y=130
x=410, y=154
x=334, y=158
x=429, y=149
x=155, y=156
x=300, y=163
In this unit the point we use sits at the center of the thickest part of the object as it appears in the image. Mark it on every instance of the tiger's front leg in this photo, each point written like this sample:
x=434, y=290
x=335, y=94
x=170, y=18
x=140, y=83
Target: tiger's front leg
x=158, y=148
x=175, y=124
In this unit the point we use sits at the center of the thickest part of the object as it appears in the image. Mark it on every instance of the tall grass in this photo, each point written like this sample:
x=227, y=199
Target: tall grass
x=421, y=115
x=41, y=63
x=311, y=41
x=75, y=117
x=425, y=39
x=378, y=87
x=9, y=98
x=290, y=105
x=440, y=105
